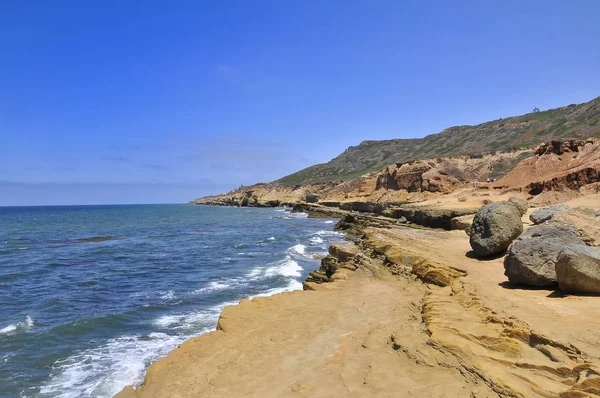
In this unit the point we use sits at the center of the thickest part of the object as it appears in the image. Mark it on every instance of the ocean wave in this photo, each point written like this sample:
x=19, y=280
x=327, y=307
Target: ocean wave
x=287, y=267
x=299, y=249
x=291, y=286
x=168, y=296
x=255, y=273
x=316, y=240
x=271, y=238
x=328, y=233
x=103, y=371
x=13, y=328
x=194, y=320
x=215, y=286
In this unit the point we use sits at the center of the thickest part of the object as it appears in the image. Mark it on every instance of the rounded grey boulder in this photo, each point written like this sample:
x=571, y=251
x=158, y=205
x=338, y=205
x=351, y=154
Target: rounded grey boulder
x=578, y=269
x=494, y=227
x=520, y=204
x=546, y=213
x=532, y=257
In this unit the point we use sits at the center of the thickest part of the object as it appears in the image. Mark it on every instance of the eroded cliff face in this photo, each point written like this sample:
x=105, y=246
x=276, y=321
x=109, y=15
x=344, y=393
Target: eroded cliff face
x=409, y=182
x=557, y=170
x=553, y=172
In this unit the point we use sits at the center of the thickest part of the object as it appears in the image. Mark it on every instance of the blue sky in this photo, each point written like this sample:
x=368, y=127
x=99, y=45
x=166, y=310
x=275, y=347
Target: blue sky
x=154, y=101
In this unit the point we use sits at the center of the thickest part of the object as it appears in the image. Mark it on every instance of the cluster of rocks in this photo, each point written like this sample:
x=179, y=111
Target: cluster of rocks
x=342, y=256
x=548, y=254
x=559, y=147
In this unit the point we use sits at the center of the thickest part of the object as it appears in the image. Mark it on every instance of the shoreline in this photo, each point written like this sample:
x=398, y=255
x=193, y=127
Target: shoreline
x=402, y=299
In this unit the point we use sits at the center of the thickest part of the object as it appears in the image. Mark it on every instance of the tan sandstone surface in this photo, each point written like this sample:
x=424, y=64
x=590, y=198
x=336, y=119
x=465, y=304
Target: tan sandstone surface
x=420, y=316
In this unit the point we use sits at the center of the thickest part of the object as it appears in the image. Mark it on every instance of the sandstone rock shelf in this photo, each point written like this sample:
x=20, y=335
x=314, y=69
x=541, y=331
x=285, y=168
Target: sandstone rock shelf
x=405, y=312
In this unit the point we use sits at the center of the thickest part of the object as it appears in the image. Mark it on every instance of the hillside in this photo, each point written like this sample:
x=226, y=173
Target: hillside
x=527, y=131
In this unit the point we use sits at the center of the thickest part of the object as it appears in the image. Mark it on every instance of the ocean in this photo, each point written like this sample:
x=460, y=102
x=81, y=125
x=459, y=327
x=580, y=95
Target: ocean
x=91, y=295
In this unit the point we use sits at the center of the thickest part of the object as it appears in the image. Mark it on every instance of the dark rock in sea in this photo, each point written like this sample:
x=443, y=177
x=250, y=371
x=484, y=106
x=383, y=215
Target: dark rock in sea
x=81, y=240
x=494, y=227
x=532, y=257
x=578, y=269
x=96, y=239
x=545, y=213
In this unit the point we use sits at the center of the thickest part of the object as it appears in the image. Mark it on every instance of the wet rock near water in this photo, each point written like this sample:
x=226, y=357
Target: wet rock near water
x=342, y=256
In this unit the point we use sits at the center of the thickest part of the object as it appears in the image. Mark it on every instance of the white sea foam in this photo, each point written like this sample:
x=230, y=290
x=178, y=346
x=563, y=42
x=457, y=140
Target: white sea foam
x=214, y=286
x=168, y=296
x=287, y=267
x=299, y=249
x=255, y=273
x=27, y=323
x=316, y=240
x=103, y=371
x=194, y=320
x=292, y=285
x=272, y=238
x=328, y=222
x=328, y=233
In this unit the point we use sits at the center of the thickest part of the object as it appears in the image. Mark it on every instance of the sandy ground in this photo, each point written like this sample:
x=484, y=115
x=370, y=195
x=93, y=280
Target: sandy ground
x=380, y=331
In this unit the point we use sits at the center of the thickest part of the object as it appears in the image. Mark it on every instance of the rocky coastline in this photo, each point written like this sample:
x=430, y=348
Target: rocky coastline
x=452, y=284
x=401, y=299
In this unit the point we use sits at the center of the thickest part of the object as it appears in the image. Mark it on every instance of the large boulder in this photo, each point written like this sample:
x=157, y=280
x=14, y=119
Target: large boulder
x=578, y=269
x=520, y=204
x=532, y=256
x=494, y=227
x=546, y=213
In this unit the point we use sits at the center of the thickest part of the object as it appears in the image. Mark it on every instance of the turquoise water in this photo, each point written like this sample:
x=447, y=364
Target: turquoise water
x=83, y=317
